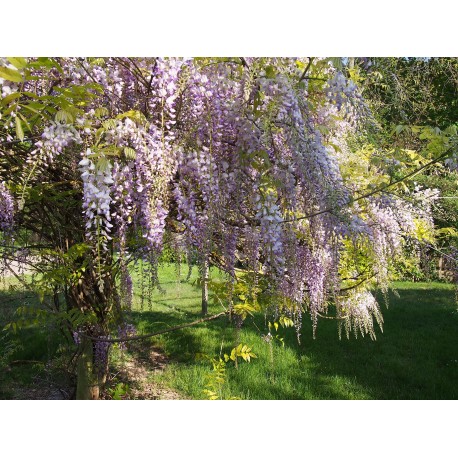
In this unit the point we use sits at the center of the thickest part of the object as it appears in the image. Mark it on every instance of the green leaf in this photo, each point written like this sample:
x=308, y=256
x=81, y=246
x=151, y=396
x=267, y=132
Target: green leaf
x=45, y=62
x=109, y=124
x=64, y=116
x=10, y=109
x=336, y=147
x=399, y=129
x=31, y=95
x=25, y=121
x=270, y=72
x=447, y=231
x=101, y=112
x=18, y=62
x=57, y=66
x=336, y=62
x=130, y=153
x=19, y=130
x=32, y=108
x=10, y=74
x=134, y=115
x=286, y=322
x=98, y=135
x=15, y=95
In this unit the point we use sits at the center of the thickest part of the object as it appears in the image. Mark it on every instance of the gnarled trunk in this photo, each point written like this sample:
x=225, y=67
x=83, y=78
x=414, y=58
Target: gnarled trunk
x=92, y=295
x=90, y=377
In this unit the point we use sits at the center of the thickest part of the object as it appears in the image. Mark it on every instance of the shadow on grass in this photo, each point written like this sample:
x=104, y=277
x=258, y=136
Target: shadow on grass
x=416, y=357
x=25, y=353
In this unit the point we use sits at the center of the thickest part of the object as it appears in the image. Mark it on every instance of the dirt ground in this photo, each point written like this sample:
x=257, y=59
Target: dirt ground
x=135, y=371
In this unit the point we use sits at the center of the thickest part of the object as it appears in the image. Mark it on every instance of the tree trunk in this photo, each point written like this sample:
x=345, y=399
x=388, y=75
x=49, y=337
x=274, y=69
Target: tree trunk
x=205, y=278
x=90, y=378
x=88, y=296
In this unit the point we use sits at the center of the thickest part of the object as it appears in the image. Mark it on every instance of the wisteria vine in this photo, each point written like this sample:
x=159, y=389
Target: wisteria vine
x=230, y=156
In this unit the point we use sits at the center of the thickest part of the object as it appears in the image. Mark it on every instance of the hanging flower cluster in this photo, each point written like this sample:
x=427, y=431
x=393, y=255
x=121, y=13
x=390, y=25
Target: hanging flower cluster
x=6, y=209
x=97, y=181
x=360, y=309
x=54, y=139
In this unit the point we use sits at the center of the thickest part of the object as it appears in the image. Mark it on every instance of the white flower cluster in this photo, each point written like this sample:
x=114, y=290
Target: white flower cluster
x=269, y=215
x=97, y=179
x=125, y=131
x=55, y=138
x=359, y=310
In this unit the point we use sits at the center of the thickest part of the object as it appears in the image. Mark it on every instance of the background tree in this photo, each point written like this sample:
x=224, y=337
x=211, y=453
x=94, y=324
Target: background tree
x=415, y=102
x=412, y=91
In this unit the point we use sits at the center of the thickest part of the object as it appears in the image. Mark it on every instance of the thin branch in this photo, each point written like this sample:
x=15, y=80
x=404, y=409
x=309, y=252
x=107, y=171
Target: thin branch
x=18, y=278
x=315, y=78
x=306, y=69
x=244, y=62
x=26, y=139
x=376, y=191
x=138, y=72
x=348, y=288
x=332, y=317
x=147, y=336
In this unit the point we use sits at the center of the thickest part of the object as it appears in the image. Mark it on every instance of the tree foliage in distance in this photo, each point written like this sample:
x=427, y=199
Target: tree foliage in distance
x=415, y=101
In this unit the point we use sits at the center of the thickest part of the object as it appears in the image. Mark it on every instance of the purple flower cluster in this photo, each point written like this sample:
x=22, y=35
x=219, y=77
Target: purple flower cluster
x=76, y=337
x=101, y=352
x=54, y=139
x=343, y=93
x=123, y=198
x=6, y=209
x=125, y=331
x=389, y=220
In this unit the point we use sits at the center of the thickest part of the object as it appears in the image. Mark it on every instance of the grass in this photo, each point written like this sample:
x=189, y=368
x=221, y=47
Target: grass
x=416, y=357
x=24, y=355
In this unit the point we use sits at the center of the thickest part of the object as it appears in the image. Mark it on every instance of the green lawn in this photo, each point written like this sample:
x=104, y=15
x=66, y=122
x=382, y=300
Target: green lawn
x=26, y=356
x=416, y=357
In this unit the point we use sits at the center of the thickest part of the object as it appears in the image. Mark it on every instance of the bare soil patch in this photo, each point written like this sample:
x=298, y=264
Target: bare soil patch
x=137, y=370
